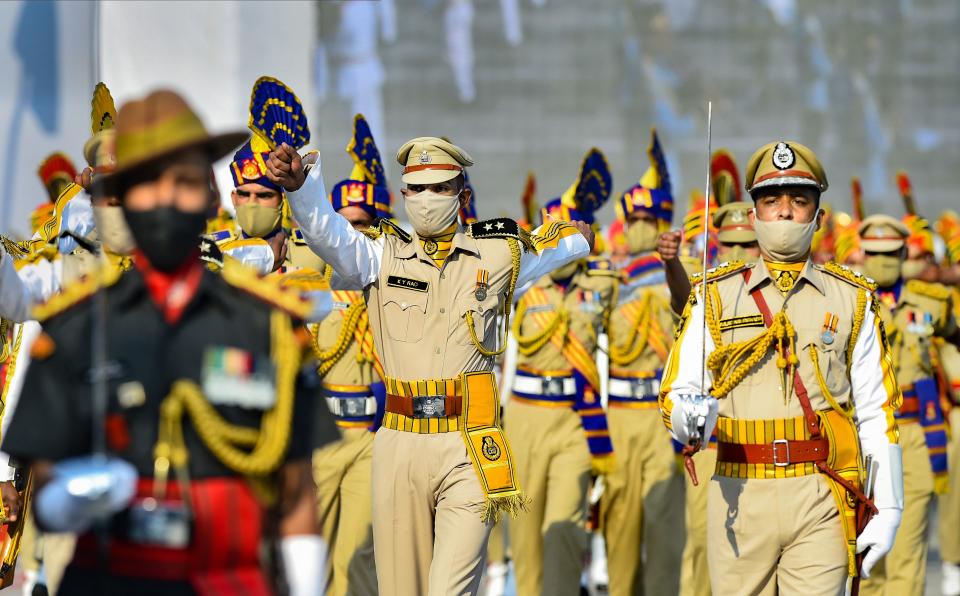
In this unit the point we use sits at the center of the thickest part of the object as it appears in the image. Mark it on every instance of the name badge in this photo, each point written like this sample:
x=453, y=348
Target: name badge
x=407, y=283
x=539, y=308
x=341, y=305
x=234, y=377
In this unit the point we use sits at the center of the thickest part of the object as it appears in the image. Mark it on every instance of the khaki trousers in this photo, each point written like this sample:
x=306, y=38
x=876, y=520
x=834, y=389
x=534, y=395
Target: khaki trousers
x=903, y=570
x=776, y=536
x=497, y=545
x=342, y=472
x=949, y=504
x=427, y=501
x=553, y=466
x=694, y=574
x=642, y=506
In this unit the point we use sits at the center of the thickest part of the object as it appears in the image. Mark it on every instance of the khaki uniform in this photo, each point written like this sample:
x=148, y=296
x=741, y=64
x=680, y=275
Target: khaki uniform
x=922, y=311
x=949, y=502
x=442, y=470
x=343, y=470
x=553, y=460
x=642, y=501
x=777, y=526
x=694, y=574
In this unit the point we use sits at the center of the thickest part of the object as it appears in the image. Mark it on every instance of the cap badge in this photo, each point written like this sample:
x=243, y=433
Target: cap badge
x=250, y=170
x=783, y=156
x=738, y=217
x=425, y=157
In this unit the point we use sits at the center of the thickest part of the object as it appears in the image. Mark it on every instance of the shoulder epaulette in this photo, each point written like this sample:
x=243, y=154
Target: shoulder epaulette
x=499, y=227
x=930, y=290
x=77, y=292
x=268, y=289
x=305, y=280
x=601, y=266
x=210, y=252
x=847, y=274
x=720, y=271
x=386, y=226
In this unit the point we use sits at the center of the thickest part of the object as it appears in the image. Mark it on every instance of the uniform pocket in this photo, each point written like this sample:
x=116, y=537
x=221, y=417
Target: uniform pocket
x=484, y=314
x=406, y=314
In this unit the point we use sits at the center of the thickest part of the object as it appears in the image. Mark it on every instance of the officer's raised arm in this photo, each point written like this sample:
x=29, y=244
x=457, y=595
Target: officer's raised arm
x=352, y=254
x=555, y=244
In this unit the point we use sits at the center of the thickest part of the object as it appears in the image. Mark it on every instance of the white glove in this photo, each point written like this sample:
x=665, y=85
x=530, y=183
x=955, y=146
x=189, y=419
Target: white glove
x=304, y=563
x=85, y=490
x=880, y=532
x=690, y=413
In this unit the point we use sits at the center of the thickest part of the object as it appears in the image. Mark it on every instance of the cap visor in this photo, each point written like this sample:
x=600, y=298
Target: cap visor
x=885, y=245
x=785, y=181
x=737, y=236
x=429, y=176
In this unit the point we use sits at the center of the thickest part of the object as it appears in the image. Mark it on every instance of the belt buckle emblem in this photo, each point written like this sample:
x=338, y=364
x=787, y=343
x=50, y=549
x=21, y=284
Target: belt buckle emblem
x=353, y=406
x=551, y=386
x=429, y=406
x=786, y=450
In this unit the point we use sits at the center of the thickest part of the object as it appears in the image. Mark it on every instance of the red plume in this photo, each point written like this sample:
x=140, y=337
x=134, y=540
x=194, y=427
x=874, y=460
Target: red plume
x=857, y=190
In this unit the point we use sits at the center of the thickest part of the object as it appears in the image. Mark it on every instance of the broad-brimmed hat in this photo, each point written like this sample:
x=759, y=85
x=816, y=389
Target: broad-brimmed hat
x=159, y=126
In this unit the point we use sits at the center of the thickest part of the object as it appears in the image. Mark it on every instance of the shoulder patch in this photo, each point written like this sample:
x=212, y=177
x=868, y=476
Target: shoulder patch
x=720, y=271
x=499, y=227
x=601, y=266
x=268, y=289
x=221, y=236
x=77, y=292
x=210, y=252
x=387, y=226
x=930, y=290
x=849, y=275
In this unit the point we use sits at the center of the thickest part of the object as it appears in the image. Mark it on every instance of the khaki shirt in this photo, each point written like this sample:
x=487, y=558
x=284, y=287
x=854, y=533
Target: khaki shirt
x=348, y=369
x=853, y=364
x=923, y=312
x=635, y=307
x=587, y=302
x=418, y=311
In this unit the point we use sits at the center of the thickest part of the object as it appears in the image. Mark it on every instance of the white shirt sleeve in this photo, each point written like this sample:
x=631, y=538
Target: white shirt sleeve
x=15, y=298
x=321, y=304
x=33, y=284
x=871, y=382
x=257, y=256
x=354, y=256
x=533, y=265
x=77, y=218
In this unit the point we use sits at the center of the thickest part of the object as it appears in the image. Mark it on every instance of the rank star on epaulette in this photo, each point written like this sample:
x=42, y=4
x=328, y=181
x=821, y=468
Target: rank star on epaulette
x=500, y=227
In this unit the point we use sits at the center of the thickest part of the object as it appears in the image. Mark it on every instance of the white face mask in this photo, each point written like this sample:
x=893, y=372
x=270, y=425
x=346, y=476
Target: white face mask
x=113, y=229
x=785, y=240
x=430, y=213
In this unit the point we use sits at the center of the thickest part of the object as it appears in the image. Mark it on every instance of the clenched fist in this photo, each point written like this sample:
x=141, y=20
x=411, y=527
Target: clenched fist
x=285, y=167
x=587, y=232
x=668, y=245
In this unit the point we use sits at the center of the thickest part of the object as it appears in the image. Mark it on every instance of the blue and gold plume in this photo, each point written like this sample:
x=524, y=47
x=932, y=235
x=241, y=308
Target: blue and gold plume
x=276, y=114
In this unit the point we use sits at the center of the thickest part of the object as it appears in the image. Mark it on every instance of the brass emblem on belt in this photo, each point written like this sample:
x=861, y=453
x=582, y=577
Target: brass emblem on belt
x=490, y=449
x=430, y=247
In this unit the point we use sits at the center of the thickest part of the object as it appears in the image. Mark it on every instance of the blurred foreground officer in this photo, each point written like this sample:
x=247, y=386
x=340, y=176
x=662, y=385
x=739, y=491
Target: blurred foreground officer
x=442, y=470
x=800, y=373
x=203, y=426
x=915, y=313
